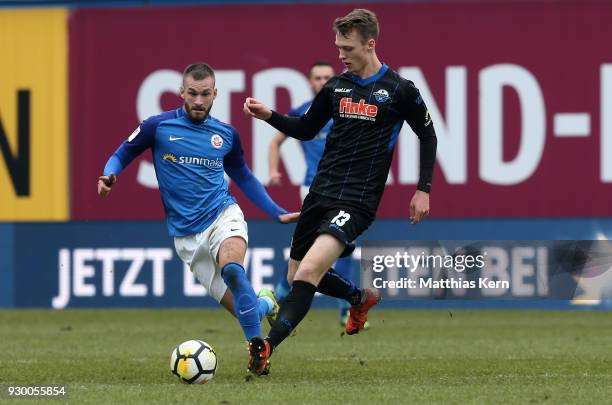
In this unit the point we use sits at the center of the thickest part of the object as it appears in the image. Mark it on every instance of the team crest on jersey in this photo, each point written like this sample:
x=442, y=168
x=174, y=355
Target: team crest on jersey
x=382, y=96
x=216, y=141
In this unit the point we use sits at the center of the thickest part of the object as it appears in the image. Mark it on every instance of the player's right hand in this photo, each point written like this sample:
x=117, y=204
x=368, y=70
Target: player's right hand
x=105, y=183
x=275, y=179
x=419, y=207
x=257, y=109
x=289, y=217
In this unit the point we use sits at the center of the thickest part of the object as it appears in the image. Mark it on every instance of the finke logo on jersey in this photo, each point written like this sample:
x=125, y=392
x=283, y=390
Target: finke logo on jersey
x=216, y=141
x=360, y=110
x=382, y=96
x=342, y=90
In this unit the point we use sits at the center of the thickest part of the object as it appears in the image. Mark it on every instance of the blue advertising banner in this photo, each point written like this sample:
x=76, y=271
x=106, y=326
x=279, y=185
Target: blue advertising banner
x=133, y=264
x=122, y=264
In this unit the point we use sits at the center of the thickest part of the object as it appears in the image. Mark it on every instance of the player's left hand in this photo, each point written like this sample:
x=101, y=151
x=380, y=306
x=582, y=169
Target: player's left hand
x=289, y=218
x=419, y=206
x=105, y=183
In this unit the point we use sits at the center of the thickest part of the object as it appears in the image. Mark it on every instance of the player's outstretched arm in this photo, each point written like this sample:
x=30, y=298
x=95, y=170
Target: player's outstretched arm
x=303, y=128
x=113, y=167
x=236, y=168
x=140, y=140
x=255, y=191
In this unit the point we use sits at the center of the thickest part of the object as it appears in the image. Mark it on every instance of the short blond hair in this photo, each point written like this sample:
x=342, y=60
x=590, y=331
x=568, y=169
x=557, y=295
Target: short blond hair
x=361, y=20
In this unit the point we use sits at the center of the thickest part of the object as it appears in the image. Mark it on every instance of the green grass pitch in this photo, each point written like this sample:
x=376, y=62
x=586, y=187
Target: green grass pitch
x=121, y=356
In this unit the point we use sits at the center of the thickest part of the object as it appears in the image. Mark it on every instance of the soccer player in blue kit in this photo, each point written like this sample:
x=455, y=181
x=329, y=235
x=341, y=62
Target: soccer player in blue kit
x=191, y=152
x=318, y=74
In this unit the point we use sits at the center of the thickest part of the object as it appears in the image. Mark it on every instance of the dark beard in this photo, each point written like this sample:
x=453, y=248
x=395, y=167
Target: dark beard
x=189, y=112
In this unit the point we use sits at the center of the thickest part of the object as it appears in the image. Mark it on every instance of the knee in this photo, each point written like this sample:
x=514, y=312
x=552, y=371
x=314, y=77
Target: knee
x=309, y=272
x=232, y=250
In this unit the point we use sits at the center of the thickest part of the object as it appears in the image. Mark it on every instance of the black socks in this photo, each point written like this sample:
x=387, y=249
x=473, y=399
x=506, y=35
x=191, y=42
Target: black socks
x=334, y=285
x=292, y=310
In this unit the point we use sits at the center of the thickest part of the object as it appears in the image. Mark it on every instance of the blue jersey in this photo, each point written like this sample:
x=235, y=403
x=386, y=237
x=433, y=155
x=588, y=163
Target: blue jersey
x=190, y=160
x=313, y=149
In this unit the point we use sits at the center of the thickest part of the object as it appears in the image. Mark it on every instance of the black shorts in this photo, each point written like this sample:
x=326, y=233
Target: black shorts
x=344, y=220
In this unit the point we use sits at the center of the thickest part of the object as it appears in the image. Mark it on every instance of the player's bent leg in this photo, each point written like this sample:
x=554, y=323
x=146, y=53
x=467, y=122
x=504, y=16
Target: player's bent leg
x=265, y=306
x=227, y=302
x=245, y=300
x=361, y=300
x=232, y=249
x=230, y=256
x=292, y=268
x=294, y=308
x=319, y=258
x=344, y=267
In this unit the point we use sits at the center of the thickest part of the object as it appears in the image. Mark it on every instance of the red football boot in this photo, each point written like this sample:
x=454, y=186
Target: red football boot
x=259, y=354
x=358, y=314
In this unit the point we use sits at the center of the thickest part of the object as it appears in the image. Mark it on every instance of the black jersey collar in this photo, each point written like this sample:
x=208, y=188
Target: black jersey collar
x=371, y=79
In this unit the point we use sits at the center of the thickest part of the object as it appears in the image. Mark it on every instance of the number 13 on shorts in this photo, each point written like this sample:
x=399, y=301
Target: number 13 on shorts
x=341, y=218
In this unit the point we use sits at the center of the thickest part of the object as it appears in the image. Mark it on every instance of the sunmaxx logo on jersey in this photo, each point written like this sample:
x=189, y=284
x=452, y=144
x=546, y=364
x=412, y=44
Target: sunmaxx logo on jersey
x=360, y=110
x=193, y=160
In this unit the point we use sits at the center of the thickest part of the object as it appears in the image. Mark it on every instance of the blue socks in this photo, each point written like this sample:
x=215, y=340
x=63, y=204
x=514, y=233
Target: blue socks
x=282, y=287
x=246, y=305
x=264, y=305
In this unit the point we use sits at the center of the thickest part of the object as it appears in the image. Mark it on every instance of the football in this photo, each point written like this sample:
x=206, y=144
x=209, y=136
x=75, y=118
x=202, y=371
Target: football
x=194, y=362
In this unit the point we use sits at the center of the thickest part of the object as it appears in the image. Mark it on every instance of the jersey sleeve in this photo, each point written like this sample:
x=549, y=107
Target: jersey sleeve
x=308, y=125
x=417, y=116
x=140, y=140
x=237, y=169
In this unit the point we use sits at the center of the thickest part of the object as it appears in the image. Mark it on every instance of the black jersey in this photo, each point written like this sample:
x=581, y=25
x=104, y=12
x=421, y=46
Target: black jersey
x=368, y=115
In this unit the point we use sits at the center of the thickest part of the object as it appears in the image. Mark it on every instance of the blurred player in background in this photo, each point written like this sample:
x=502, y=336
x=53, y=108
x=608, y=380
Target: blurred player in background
x=369, y=103
x=318, y=74
x=191, y=152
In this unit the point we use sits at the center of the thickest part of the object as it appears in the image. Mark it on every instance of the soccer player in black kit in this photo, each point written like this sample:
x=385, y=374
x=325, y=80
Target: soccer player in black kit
x=369, y=103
